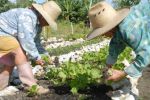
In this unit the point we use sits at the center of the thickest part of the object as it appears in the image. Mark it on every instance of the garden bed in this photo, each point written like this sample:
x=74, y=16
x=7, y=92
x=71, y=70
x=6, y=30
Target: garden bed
x=60, y=93
x=63, y=93
x=91, y=92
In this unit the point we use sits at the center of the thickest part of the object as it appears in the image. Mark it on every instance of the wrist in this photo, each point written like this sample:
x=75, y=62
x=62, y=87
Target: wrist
x=124, y=74
x=37, y=58
x=109, y=65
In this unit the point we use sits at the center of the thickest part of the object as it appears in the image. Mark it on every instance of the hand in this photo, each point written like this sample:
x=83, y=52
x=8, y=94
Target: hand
x=46, y=58
x=40, y=62
x=116, y=75
x=106, y=70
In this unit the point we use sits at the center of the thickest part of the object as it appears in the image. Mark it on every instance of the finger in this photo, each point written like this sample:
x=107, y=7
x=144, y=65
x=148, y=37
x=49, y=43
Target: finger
x=110, y=78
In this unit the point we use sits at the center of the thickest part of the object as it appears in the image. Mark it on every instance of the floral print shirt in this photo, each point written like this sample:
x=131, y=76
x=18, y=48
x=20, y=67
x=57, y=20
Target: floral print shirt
x=22, y=23
x=133, y=31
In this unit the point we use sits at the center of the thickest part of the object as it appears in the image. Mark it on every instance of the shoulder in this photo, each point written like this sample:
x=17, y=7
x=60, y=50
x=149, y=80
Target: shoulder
x=27, y=12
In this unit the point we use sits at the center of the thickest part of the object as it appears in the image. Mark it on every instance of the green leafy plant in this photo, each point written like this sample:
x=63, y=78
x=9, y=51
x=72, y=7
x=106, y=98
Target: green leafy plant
x=124, y=55
x=32, y=91
x=79, y=75
x=46, y=58
x=75, y=75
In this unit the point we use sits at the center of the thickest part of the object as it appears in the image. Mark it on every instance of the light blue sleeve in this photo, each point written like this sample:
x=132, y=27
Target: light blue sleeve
x=141, y=61
x=26, y=34
x=144, y=1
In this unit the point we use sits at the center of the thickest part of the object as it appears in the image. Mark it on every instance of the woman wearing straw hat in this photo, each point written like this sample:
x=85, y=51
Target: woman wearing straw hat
x=18, y=29
x=127, y=27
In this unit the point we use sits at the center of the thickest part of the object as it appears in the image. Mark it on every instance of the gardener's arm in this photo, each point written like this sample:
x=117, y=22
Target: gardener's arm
x=26, y=34
x=116, y=46
x=141, y=61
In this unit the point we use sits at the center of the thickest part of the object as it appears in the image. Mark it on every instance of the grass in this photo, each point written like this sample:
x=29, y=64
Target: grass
x=67, y=30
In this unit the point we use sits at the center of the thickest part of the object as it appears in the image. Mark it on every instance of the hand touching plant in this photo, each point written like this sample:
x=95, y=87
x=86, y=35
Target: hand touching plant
x=46, y=58
x=113, y=74
x=116, y=75
x=40, y=62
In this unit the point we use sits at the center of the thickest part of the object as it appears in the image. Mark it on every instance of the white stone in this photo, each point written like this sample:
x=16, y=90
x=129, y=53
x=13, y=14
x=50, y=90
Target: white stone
x=38, y=70
x=10, y=90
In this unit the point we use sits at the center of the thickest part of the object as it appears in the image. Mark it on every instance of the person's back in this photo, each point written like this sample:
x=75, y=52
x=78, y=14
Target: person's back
x=136, y=25
x=18, y=28
x=10, y=20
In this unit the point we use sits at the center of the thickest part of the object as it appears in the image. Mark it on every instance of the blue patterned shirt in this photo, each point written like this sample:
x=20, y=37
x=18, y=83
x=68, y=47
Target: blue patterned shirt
x=133, y=31
x=22, y=23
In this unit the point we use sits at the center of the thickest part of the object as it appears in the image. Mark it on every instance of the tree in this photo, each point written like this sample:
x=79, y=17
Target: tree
x=5, y=5
x=125, y=3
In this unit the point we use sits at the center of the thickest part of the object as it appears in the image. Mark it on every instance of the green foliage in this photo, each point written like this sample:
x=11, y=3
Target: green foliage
x=5, y=5
x=74, y=36
x=75, y=10
x=32, y=91
x=65, y=30
x=46, y=59
x=124, y=55
x=76, y=75
x=24, y=3
x=80, y=74
x=126, y=3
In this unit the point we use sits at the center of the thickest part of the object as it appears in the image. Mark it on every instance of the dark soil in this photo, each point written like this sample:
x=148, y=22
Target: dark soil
x=63, y=93
x=91, y=93
x=144, y=85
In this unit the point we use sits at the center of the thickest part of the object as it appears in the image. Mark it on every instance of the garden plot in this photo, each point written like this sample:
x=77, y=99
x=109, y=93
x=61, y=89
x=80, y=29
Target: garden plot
x=55, y=43
x=85, y=75
x=77, y=54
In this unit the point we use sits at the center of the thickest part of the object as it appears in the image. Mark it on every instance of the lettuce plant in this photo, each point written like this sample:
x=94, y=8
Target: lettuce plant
x=79, y=75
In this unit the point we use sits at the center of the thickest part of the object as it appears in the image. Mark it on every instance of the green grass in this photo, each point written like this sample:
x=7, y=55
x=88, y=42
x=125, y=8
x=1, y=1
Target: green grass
x=65, y=31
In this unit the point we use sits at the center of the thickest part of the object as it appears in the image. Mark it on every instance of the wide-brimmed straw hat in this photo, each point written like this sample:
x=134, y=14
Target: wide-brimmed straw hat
x=50, y=11
x=104, y=17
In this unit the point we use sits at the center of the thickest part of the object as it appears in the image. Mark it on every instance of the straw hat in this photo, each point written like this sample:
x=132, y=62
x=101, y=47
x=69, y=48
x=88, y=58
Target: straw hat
x=50, y=11
x=104, y=17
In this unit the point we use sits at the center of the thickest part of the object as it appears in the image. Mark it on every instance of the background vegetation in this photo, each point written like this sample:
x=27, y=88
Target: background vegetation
x=73, y=10
x=73, y=21
x=125, y=3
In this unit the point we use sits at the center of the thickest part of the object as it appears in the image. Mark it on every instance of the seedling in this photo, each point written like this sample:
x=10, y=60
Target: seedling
x=32, y=91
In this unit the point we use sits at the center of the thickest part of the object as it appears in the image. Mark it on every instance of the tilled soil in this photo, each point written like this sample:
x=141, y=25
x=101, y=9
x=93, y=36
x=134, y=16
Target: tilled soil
x=144, y=85
x=63, y=93
x=92, y=93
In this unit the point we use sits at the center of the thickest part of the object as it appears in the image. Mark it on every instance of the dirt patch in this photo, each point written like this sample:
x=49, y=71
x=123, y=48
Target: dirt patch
x=144, y=85
x=91, y=93
x=63, y=93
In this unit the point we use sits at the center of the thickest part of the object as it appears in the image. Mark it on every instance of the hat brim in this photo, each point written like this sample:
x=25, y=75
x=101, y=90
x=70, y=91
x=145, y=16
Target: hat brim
x=48, y=18
x=121, y=14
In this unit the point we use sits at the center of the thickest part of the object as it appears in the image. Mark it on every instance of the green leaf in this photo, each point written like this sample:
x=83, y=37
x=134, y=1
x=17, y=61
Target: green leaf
x=32, y=91
x=74, y=90
x=62, y=75
x=95, y=73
